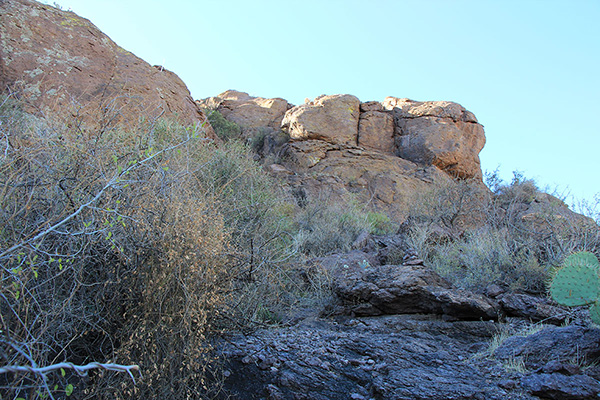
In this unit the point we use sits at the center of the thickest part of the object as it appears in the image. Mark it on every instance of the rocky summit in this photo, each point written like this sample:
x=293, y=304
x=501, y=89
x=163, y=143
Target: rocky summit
x=111, y=254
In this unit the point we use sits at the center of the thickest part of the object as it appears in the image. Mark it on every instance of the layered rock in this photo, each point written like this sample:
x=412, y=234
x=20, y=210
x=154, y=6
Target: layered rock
x=371, y=289
x=334, y=171
x=57, y=62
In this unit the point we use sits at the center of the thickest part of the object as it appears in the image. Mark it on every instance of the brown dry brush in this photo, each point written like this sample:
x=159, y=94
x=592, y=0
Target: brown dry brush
x=111, y=250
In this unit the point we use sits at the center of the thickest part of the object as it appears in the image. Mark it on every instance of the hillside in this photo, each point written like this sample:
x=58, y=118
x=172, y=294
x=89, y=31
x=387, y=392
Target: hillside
x=157, y=246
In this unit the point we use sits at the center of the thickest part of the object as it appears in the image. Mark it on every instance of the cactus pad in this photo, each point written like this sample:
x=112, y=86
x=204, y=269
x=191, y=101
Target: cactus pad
x=575, y=285
x=584, y=258
x=595, y=313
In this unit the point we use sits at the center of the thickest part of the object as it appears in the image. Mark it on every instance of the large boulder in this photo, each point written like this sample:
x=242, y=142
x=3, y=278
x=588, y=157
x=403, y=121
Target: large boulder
x=439, y=133
x=248, y=112
x=59, y=62
x=333, y=119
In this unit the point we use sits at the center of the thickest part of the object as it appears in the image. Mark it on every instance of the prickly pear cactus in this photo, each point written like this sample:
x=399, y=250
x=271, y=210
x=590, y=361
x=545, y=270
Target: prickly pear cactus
x=577, y=283
x=584, y=258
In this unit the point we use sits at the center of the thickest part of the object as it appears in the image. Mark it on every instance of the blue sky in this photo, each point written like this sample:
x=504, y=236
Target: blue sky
x=529, y=70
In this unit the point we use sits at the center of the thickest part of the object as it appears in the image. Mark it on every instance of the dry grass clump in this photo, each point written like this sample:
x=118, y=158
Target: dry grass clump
x=326, y=226
x=512, y=236
x=129, y=248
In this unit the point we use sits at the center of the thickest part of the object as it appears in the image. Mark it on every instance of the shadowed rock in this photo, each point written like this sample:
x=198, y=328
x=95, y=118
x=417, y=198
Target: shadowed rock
x=370, y=289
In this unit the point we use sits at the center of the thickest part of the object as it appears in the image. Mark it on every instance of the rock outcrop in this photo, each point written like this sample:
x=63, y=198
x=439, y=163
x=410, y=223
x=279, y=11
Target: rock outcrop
x=381, y=153
x=441, y=133
x=59, y=62
x=250, y=113
x=332, y=119
x=410, y=357
x=369, y=289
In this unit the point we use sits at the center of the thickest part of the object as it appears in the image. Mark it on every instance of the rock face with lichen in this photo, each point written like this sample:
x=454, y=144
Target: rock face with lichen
x=57, y=61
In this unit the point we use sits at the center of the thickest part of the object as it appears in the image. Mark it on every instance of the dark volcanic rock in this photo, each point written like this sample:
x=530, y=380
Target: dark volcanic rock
x=531, y=307
x=371, y=289
x=570, y=344
x=561, y=387
x=389, y=357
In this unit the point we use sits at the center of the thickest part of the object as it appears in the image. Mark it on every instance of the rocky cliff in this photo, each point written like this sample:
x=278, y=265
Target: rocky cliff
x=382, y=152
x=59, y=62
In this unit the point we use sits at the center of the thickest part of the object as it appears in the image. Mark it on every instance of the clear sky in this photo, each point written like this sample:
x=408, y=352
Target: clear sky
x=529, y=70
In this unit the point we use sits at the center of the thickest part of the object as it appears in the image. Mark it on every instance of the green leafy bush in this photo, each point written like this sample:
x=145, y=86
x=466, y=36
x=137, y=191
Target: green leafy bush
x=225, y=129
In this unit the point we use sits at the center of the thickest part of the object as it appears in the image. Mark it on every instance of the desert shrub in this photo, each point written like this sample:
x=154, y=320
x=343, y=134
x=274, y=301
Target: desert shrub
x=513, y=235
x=259, y=216
x=131, y=247
x=451, y=206
x=226, y=130
x=485, y=256
x=110, y=251
x=326, y=226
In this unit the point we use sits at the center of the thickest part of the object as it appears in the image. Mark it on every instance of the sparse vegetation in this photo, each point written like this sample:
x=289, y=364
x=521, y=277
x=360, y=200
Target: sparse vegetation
x=512, y=236
x=225, y=130
x=326, y=226
x=133, y=248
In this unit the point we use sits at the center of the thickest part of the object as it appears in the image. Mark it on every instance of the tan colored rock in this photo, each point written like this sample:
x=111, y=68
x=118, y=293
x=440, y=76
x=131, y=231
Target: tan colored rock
x=386, y=182
x=376, y=131
x=406, y=108
x=247, y=111
x=58, y=61
x=451, y=146
x=439, y=133
x=332, y=119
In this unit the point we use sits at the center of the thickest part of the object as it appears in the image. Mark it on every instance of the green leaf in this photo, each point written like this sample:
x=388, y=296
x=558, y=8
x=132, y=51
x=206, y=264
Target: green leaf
x=69, y=390
x=62, y=372
x=56, y=387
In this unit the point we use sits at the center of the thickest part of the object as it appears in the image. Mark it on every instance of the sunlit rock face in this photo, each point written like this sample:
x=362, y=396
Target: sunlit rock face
x=59, y=62
x=440, y=133
x=382, y=153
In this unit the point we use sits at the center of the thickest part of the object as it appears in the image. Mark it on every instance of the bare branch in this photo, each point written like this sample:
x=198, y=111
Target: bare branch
x=81, y=370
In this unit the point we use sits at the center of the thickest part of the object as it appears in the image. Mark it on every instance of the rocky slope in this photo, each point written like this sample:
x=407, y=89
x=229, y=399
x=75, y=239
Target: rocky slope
x=382, y=153
x=390, y=330
x=61, y=63
x=402, y=332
